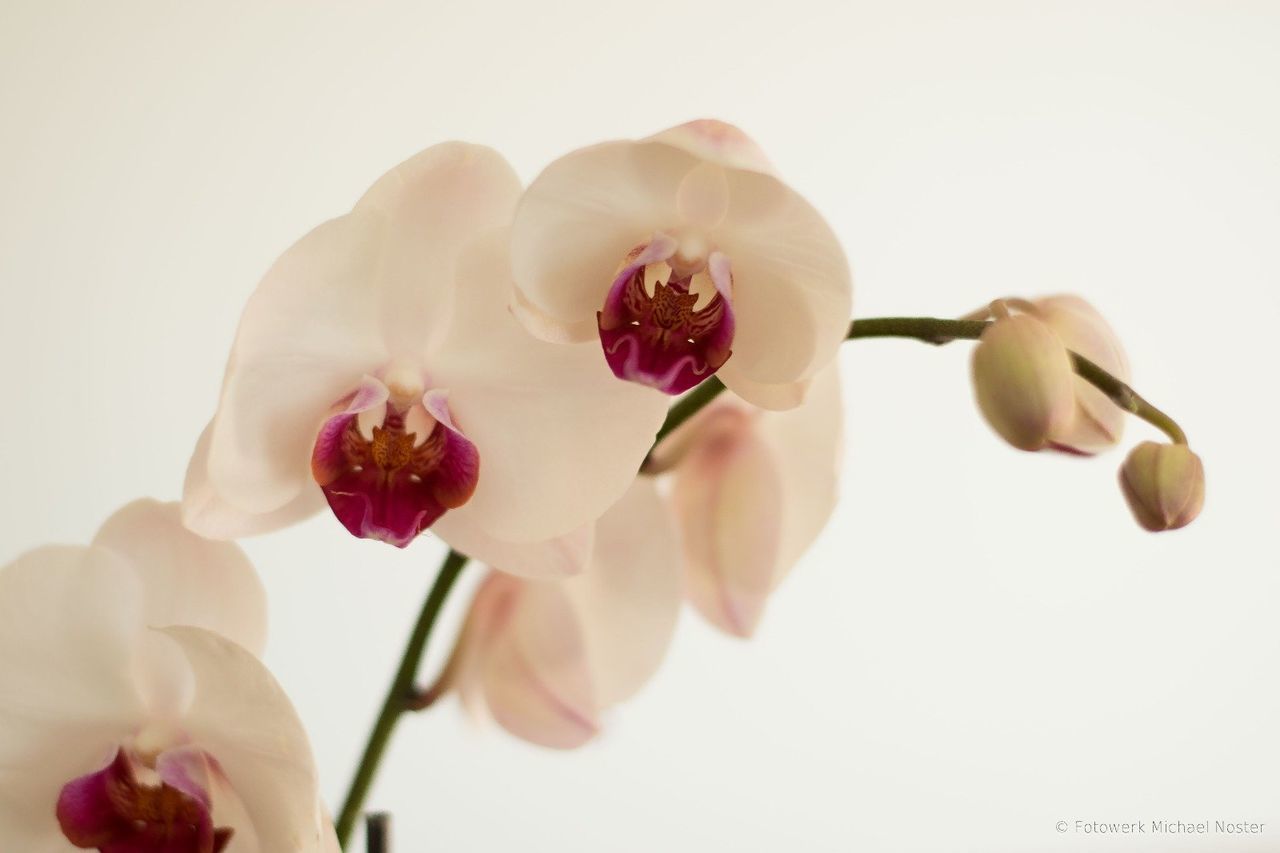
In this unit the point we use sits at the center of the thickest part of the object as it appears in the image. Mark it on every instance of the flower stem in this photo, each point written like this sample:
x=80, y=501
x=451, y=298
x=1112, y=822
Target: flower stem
x=402, y=696
x=938, y=331
x=377, y=833
x=399, y=696
x=935, y=331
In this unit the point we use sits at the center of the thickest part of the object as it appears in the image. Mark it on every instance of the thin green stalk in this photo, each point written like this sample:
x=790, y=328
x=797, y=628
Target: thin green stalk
x=936, y=331
x=402, y=696
x=399, y=696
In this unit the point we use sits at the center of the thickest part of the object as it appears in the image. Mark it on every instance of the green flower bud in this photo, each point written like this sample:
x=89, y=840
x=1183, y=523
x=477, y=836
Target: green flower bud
x=1164, y=485
x=1023, y=381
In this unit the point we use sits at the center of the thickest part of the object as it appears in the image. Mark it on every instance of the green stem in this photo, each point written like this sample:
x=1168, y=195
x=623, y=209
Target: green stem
x=1127, y=398
x=402, y=697
x=399, y=696
x=935, y=331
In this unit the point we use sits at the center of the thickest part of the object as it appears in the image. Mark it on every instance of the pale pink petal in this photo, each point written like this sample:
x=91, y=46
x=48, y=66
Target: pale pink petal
x=807, y=443
x=433, y=204
x=559, y=437
x=628, y=600
x=187, y=579
x=775, y=397
x=207, y=513
x=375, y=283
x=243, y=720
x=792, y=286
x=69, y=619
x=717, y=142
x=1099, y=423
x=728, y=500
x=308, y=334
x=581, y=217
x=702, y=199
x=545, y=328
x=536, y=674
x=487, y=617
x=230, y=811
x=560, y=557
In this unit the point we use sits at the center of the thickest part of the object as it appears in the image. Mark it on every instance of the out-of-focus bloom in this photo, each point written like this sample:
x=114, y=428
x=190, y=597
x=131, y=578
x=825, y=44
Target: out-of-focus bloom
x=687, y=257
x=547, y=658
x=1024, y=382
x=1098, y=423
x=1163, y=484
x=377, y=366
x=135, y=715
x=752, y=490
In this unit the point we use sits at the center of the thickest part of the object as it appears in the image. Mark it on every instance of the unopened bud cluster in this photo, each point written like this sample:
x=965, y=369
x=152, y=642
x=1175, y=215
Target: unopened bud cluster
x=1027, y=389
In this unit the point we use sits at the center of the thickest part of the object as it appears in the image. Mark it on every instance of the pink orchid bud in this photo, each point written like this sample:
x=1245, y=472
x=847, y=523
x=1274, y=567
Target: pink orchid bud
x=1099, y=422
x=1163, y=484
x=1024, y=382
x=752, y=490
x=546, y=659
x=137, y=716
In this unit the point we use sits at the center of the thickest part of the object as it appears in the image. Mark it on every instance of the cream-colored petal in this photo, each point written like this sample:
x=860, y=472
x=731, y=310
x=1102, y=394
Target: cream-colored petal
x=207, y=513
x=242, y=718
x=729, y=505
x=187, y=579
x=702, y=199
x=308, y=334
x=579, y=218
x=230, y=811
x=560, y=557
x=628, y=600
x=807, y=443
x=559, y=437
x=1099, y=423
x=69, y=621
x=487, y=616
x=433, y=204
x=717, y=142
x=793, y=291
x=536, y=674
x=779, y=397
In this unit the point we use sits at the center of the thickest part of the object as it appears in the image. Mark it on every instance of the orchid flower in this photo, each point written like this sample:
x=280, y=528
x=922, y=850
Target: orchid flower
x=378, y=368
x=752, y=490
x=547, y=658
x=687, y=256
x=136, y=716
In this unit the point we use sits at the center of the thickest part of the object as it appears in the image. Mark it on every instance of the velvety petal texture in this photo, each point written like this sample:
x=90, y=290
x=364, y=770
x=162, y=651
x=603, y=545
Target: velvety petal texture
x=546, y=659
x=105, y=734
x=777, y=312
x=379, y=369
x=752, y=490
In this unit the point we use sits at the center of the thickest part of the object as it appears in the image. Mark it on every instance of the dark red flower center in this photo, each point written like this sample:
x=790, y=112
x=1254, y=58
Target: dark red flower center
x=113, y=812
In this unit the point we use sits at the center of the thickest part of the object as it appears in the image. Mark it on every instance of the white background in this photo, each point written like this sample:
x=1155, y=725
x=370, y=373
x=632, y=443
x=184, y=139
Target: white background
x=982, y=643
